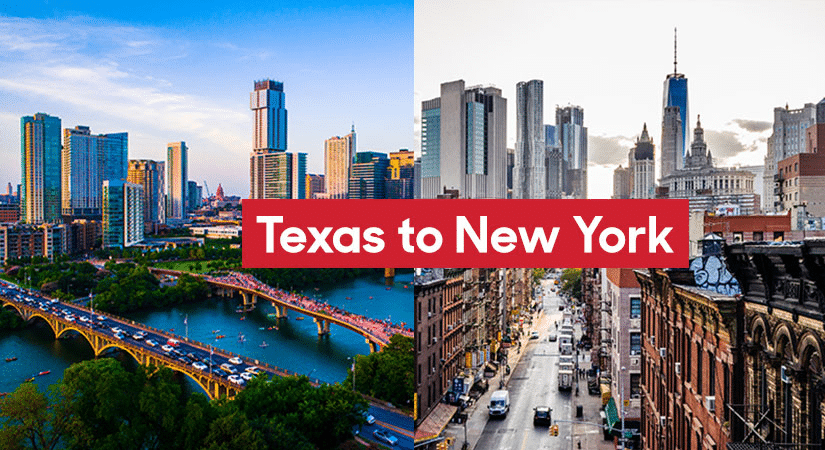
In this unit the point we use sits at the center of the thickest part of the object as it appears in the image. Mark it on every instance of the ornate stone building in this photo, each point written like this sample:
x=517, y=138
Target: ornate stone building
x=783, y=289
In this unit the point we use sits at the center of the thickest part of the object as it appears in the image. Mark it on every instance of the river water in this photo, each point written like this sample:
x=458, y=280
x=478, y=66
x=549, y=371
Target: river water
x=291, y=343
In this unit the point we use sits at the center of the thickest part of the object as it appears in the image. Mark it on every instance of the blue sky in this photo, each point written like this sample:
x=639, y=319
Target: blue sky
x=175, y=71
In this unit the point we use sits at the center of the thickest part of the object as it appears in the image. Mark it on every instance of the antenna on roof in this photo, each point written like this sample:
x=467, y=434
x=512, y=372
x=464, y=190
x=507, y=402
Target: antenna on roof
x=674, y=51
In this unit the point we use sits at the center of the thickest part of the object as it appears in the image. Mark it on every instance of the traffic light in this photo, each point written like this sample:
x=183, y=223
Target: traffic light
x=554, y=430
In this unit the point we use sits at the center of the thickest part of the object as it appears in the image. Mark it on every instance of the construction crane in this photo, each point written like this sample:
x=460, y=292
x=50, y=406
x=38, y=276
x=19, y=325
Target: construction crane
x=206, y=186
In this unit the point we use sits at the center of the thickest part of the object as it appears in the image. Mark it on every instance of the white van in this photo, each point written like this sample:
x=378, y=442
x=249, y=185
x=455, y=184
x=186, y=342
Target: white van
x=499, y=404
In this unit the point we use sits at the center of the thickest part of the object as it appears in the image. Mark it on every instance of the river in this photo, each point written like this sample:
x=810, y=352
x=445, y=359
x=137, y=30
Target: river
x=293, y=345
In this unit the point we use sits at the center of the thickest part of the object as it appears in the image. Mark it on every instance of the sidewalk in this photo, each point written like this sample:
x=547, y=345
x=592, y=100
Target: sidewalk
x=590, y=437
x=477, y=413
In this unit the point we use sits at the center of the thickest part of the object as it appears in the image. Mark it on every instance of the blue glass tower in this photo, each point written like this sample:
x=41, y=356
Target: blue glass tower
x=676, y=94
x=268, y=104
x=40, y=165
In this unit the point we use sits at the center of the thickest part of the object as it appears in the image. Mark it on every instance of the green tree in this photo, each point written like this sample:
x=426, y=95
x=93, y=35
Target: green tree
x=388, y=374
x=28, y=421
x=571, y=282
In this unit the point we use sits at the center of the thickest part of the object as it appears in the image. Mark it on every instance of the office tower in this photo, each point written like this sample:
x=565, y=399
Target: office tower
x=643, y=166
x=278, y=175
x=675, y=96
x=463, y=142
x=417, y=178
x=529, y=170
x=314, y=185
x=177, y=174
x=400, y=175
x=672, y=141
x=787, y=139
x=273, y=173
x=622, y=183
x=368, y=180
x=87, y=161
x=149, y=174
x=40, y=168
x=339, y=155
x=122, y=213
x=194, y=196
x=8, y=189
x=571, y=137
x=269, y=108
x=554, y=164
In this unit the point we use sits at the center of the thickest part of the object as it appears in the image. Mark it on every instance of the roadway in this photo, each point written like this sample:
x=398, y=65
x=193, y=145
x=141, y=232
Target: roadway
x=396, y=424
x=534, y=382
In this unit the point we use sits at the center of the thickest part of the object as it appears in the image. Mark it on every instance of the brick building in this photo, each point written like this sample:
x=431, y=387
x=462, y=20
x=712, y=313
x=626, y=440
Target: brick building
x=690, y=362
x=428, y=289
x=9, y=212
x=783, y=289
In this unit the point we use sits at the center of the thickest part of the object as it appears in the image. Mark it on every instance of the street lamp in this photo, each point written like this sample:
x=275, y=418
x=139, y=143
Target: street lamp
x=621, y=399
x=353, y=358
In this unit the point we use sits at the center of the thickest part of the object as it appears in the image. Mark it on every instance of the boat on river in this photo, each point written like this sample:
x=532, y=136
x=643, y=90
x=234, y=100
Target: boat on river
x=13, y=358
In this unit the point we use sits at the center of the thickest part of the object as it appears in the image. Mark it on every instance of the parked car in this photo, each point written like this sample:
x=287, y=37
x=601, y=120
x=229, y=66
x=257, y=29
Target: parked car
x=534, y=335
x=385, y=437
x=369, y=418
x=552, y=337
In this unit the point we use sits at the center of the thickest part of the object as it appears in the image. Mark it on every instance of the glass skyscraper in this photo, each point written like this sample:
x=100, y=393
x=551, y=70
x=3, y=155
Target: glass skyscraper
x=529, y=166
x=369, y=176
x=571, y=136
x=177, y=196
x=40, y=168
x=268, y=104
x=88, y=160
x=676, y=95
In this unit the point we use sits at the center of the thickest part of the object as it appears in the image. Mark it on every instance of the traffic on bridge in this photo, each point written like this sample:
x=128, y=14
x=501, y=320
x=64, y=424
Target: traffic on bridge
x=382, y=330
x=218, y=372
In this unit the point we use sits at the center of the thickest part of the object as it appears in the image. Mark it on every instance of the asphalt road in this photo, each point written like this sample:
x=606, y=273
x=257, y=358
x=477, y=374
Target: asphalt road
x=534, y=382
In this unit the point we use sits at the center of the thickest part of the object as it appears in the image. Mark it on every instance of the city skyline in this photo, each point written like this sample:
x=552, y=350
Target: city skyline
x=611, y=58
x=185, y=76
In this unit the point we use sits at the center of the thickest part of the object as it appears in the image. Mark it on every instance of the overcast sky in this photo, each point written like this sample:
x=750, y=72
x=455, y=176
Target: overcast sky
x=183, y=71
x=741, y=58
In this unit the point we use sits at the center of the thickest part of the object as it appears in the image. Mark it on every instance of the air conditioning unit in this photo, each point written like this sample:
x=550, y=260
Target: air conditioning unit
x=634, y=361
x=435, y=339
x=784, y=375
x=710, y=403
x=662, y=421
x=653, y=341
x=677, y=368
x=663, y=352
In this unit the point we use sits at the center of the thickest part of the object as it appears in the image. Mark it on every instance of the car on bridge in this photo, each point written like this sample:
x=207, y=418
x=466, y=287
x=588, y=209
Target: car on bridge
x=229, y=369
x=151, y=343
x=199, y=365
x=253, y=370
x=167, y=348
x=236, y=379
x=235, y=360
x=385, y=437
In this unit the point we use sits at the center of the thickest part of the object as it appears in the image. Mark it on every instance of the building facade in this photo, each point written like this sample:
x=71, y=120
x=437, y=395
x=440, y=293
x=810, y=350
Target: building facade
x=314, y=185
x=643, y=167
x=428, y=288
x=571, y=137
x=368, y=180
x=194, y=196
x=40, y=154
x=339, y=156
x=278, y=175
x=675, y=119
x=177, y=178
x=529, y=169
x=122, y=213
x=150, y=174
x=622, y=183
x=787, y=139
x=268, y=105
x=783, y=377
x=691, y=363
x=400, y=175
x=87, y=161
x=463, y=142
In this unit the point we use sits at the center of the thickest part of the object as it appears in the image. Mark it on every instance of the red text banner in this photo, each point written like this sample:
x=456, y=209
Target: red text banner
x=465, y=233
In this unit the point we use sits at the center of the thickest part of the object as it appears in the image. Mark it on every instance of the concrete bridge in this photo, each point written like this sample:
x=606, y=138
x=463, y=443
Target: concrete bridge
x=322, y=319
x=96, y=328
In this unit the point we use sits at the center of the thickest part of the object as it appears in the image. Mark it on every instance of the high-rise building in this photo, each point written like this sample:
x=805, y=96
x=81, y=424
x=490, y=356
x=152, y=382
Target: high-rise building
x=643, y=166
x=554, y=163
x=122, y=213
x=572, y=141
x=463, y=142
x=622, y=183
x=369, y=175
x=672, y=141
x=194, y=196
x=278, y=175
x=177, y=176
x=87, y=161
x=675, y=96
x=273, y=173
x=149, y=174
x=314, y=185
x=400, y=175
x=788, y=139
x=529, y=170
x=40, y=168
x=339, y=156
x=268, y=105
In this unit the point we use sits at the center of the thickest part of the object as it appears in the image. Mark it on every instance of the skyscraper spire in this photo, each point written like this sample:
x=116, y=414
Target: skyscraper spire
x=674, y=51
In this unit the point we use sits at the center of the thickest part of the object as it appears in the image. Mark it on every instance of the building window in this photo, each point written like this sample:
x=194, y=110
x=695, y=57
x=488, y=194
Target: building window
x=738, y=236
x=635, y=307
x=688, y=354
x=699, y=368
x=778, y=236
x=635, y=385
x=758, y=236
x=635, y=343
x=711, y=374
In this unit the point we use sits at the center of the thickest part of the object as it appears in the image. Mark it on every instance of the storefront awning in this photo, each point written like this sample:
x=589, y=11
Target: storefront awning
x=435, y=422
x=612, y=413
